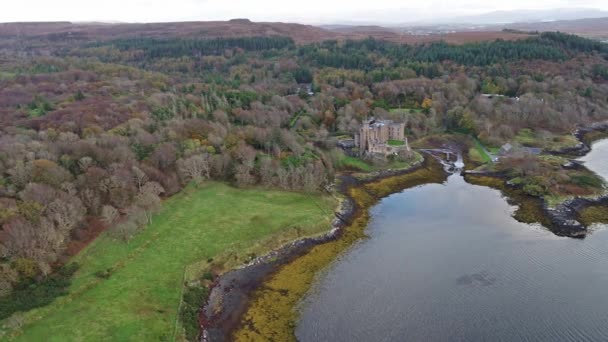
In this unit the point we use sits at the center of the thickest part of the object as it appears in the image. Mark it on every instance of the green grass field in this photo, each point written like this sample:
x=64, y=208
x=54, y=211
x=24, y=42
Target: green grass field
x=354, y=163
x=139, y=301
x=480, y=152
x=360, y=165
x=405, y=110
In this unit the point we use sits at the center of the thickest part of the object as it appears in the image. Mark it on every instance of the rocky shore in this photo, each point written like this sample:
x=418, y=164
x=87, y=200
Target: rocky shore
x=230, y=294
x=563, y=219
x=228, y=298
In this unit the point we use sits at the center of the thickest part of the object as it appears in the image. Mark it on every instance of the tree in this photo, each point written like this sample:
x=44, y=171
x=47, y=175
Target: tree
x=148, y=199
x=140, y=177
x=65, y=212
x=8, y=277
x=84, y=163
x=467, y=123
x=303, y=75
x=109, y=214
x=243, y=175
x=48, y=172
x=125, y=230
x=164, y=156
x=426, y=105
x=79, y=96
x=194, y=168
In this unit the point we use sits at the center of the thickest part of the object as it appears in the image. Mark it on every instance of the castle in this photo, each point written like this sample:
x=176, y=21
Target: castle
x=381, y=137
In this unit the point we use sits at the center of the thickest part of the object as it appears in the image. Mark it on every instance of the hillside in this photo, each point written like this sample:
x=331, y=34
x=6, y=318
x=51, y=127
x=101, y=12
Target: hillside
x=592, y=27
x=210, y=29
x=301, y=34
x=101, y=124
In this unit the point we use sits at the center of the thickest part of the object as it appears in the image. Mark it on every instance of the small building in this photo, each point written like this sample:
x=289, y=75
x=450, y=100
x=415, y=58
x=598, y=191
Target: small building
x=508, y=149
x=381, y=137
x=505, y=149
x=532, y=150
x=305, y=88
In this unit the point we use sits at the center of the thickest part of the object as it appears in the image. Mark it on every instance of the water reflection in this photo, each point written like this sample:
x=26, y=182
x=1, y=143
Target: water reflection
x=597, y=159
x=449, y=263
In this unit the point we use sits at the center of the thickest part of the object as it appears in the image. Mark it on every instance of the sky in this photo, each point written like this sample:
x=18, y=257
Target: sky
x=303, y=11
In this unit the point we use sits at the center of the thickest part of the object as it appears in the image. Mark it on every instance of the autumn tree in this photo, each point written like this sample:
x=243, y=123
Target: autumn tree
x=194, y=168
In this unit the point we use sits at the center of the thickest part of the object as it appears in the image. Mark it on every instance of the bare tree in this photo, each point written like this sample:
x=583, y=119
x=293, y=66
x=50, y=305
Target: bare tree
x=125, y=230
x=84, y=163
x=152, y=188
x=91, y=199
x=65, y=212
x=194, y=168
x=164, y=156
x=109, y=214
x=8, y=277
x=283, y=177
x=266, y=171
x=20, y=174
x=148, y=199
x=140, y=177
x=41, y=243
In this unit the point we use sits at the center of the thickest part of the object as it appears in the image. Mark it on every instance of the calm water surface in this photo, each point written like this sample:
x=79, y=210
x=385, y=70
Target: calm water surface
x=597, y=159
x=449, y=263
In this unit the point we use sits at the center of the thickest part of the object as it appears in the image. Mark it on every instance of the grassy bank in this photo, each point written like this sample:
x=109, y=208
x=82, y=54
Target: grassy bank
x=138, y=296
x=594, y=214
x=479, y=152
x=271, y=315
x=593, y=136
x=356, y=164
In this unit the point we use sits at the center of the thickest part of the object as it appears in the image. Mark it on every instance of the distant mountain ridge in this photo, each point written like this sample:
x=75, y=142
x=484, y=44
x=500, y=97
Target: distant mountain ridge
x=527, y=16
x=300, y=33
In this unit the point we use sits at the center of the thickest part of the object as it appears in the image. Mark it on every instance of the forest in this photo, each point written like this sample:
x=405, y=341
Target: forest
x=94, y=134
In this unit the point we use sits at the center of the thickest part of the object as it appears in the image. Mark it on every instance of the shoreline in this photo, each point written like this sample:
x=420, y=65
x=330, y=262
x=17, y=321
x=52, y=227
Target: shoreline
x=232, y=293
x=563, y=219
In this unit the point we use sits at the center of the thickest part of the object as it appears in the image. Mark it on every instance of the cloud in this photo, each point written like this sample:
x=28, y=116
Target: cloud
x=265, y=10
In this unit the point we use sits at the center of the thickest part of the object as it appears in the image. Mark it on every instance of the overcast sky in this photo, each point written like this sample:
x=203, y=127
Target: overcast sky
x=305, y=11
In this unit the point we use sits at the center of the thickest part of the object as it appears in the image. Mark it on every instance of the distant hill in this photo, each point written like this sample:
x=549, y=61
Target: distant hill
x=591, y=27
x=209, y=29
x=301, y=34
x=520, y=16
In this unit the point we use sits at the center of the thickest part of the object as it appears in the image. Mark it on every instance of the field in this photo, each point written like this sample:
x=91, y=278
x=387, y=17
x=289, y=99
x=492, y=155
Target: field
x=479, y=153
x=353, y=163
x=360, y=165
x=547, y=141
x=404, y=111
x=139, y=300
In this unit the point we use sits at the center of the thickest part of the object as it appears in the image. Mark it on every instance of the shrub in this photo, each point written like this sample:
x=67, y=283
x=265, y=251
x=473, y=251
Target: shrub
x=29, y=294
x=104, y=274
x=192, y=300
x=590, y=181
x=534, y=189
x=26, y=268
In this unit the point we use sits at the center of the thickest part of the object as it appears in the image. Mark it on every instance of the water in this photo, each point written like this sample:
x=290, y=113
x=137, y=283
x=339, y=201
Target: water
x=597, y=159
x=449, y=263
